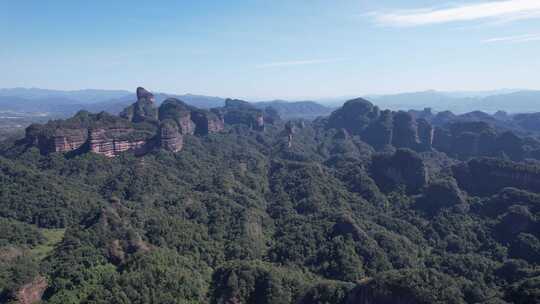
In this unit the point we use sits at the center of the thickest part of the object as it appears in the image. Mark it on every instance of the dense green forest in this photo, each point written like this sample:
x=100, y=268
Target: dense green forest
x=298, y=213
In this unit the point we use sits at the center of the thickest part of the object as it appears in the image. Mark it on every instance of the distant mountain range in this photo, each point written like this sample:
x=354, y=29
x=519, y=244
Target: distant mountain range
x=56, y=103
x=66, y=103
x=512, y=101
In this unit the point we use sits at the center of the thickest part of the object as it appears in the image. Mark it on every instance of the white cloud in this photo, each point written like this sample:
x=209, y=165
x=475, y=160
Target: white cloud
x=507, y=10
x=514, y=39
x=298, y=62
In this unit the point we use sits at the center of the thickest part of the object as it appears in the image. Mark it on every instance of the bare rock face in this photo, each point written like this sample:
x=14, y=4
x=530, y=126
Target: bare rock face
x=425, y=133
x=32, y=292
x=139, y=128
x=179, y=112
x=143, y=109
x=259, y=122
x=289, y=130
x=207, y=122
x=405, y=134
x=69, y=139
x=170, y=137
x=56, y=140
x=112, y=142
x=142, y=93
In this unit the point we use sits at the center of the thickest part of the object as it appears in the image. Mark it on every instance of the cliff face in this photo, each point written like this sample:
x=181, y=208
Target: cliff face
x=426, y=133
x=207, y=122
x=140, y=128
x=112, y=142
x=170, y=137
x=180, y=113
x=59, y=140
x=405, y=133
x=143, y=109
x=32, y=292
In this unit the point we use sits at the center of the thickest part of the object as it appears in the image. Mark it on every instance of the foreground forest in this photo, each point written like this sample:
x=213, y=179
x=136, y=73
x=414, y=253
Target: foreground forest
x=363, y=206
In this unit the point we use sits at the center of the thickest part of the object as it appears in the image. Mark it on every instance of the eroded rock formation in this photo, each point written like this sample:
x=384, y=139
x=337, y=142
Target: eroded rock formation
x=207, y=122
x=112, y=142
x=382, y=128
x=170, y=137
x=143, y=109
x=180, y=113
x=140, y=128
x=32, y=292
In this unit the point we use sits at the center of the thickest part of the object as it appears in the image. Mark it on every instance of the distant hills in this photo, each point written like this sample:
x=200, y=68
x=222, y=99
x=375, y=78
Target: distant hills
x=502, y=100
x=65, y=103
x=57, y=103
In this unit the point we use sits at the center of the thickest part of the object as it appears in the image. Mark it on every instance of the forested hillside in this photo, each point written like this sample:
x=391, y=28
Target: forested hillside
x=364, y=206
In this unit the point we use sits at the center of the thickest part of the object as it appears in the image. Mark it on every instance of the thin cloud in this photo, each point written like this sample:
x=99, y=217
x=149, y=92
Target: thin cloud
x=298, y=62
x=514, y=39
x=507, y=10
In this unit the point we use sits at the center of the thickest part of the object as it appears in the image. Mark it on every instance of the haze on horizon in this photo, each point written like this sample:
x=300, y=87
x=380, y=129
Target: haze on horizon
x=272, y=49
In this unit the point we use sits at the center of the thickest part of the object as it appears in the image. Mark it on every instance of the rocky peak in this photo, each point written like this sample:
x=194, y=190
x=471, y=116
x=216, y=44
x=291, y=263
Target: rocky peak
x=143, y=109
x=142, y=93
x=179, y=112
x=170, y=137
x=405, y=131
x=207, y=122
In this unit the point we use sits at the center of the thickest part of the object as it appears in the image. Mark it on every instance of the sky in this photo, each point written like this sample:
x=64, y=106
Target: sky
x=269, y=49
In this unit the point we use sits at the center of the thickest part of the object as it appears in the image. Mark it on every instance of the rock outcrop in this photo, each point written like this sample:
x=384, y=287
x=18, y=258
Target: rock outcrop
x=290, y=129
x=426, y=133
x=180, y=113
x=112, y=142
x=32, y=292
x=207, y=122
x=382, y=128
x=142, y=127
x=170, y=137
x=56, y=140
x=405, y=133
x=143, y=109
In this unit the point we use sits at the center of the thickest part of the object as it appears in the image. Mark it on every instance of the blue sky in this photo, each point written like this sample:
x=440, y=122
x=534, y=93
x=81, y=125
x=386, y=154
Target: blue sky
x=273, y=48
